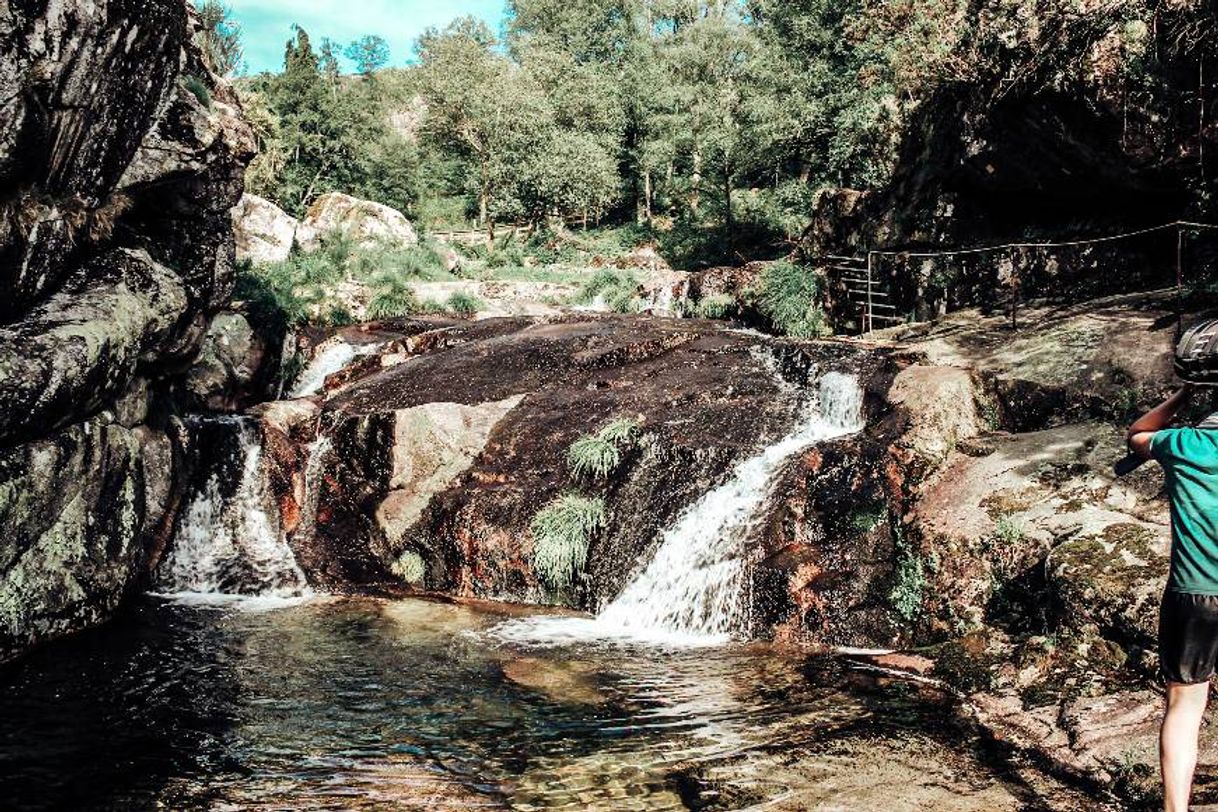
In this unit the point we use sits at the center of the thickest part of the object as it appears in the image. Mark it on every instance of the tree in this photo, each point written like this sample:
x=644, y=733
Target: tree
x=332, y=137
x=370, y=53
x=483, y=107
x=571, y=175
x=221, y=38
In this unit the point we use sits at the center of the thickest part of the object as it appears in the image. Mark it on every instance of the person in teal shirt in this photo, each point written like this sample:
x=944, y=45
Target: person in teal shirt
x=1188, y=615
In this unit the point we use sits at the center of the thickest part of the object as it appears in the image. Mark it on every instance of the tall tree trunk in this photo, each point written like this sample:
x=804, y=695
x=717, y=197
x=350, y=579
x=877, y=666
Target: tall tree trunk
x=647, y=193
x=484, y=203
x=727, y=203
x=695, y=191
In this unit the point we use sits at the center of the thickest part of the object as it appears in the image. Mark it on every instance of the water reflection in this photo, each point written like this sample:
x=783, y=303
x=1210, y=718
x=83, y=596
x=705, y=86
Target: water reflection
x=360, y=704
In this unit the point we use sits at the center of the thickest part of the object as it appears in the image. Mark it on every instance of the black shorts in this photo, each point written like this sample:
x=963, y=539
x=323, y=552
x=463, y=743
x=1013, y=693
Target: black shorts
x=1188, y=637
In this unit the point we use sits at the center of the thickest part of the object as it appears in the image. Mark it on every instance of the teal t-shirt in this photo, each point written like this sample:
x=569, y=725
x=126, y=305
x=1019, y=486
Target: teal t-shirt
x=1190, y=459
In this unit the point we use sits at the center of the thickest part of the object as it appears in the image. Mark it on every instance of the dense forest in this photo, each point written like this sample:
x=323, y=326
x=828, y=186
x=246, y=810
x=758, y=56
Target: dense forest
x=703, y=114
x=713, y=128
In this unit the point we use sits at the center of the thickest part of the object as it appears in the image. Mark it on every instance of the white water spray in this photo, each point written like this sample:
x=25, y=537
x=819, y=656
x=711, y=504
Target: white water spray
x=693, y=592
x=233, y=546
x=335, y=356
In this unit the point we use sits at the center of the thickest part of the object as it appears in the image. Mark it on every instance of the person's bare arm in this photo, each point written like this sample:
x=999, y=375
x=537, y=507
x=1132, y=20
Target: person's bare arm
x=1143, y=429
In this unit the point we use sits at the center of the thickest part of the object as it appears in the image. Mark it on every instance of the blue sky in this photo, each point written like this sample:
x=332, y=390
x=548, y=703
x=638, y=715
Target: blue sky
x=267, y=24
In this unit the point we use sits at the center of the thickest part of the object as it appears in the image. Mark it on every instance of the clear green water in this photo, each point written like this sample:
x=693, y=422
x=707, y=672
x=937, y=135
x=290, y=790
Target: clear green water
x=365, y=704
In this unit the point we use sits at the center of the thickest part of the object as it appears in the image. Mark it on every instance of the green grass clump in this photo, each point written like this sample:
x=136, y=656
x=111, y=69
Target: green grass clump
x=392, y=298
x=593, y=457
x=867, y=518
x=199, y=90
x=1008, y=531
x=717, y=306
x=621, y=430
x=410, y=567
x=789, y=296
x=596, y=456
x=909, y=583
x=562, y=532
x=463, y=304
x=617, y=289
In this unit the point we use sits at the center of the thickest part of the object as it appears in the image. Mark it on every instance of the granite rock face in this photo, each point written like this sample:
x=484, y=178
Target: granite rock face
x=263, y=231
x=361, y=220
x=120, y=158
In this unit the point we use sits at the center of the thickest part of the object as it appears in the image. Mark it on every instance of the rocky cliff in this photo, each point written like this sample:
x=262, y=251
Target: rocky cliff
x=120, y=158
x=1070, y=121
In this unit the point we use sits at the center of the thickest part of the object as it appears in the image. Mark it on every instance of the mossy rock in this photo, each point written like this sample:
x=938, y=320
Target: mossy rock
x=1110, y=580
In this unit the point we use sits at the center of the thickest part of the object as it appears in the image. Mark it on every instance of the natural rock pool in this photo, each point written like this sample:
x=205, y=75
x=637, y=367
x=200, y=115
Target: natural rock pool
x=354, y=703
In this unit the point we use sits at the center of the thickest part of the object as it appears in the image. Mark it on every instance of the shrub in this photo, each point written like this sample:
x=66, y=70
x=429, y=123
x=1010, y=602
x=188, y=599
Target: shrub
x=617, y=289
x=867, y=518
x=410, y=567
x=338, y=316
x=789, y=296
x=909, y=584
x=562, y=532
x=464, y=304
x=1008, y=531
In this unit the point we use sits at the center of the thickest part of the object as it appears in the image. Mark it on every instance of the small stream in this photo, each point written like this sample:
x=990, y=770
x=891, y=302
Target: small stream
x=364, y=704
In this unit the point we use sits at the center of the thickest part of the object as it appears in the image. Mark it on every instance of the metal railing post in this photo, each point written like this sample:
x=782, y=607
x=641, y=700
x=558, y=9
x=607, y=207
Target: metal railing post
x=869, y=318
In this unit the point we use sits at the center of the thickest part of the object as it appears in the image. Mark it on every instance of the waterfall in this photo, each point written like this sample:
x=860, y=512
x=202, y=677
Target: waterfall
x=228, y=541
x=334, y=356
x=693, y=591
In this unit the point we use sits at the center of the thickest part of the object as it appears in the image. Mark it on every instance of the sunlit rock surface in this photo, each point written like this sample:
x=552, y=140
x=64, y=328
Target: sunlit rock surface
x=120, y=157
x=263, y=231
x=362, y=220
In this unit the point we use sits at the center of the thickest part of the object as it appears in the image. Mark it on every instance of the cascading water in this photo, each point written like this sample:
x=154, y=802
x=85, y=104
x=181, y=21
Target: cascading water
x=693, y=591
x=333, y=357
x=228, y=541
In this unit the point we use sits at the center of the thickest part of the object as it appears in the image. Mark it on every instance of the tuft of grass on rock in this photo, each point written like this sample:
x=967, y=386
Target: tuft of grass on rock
x=596, y=456
x=909, y=583
x=393, y=298
x=717, y=306
x=618, y=290
x=463, y=304
x=410, y=567
x=197, y=88
x=593, y=457
x=1008, y=530
x=562, y=531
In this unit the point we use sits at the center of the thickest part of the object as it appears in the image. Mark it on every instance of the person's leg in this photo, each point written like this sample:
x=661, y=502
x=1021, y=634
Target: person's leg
x=1178, y=741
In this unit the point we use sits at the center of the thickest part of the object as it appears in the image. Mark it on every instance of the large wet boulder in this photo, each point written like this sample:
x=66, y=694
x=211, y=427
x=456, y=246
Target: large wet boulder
x=362, y=220
x=79, y=509
x=231, y=368
x=121, y=157
x=440, y=453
